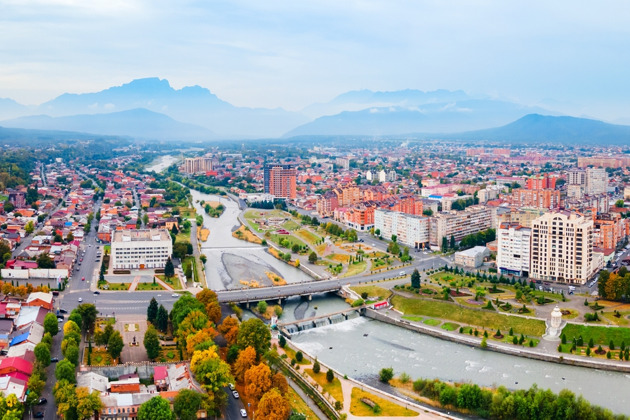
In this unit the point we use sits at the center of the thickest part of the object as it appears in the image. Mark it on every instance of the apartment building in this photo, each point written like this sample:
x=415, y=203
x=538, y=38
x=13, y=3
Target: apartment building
x=513, y=249
x=473, y=219
x=596, y=181
x=542, y=199
x=410, y=230
x=541, y=182
x=609, y=229
x=280, y=180
x=523, y=217
x=147, y=248
x=197, y=165
x=604, y=161
x=562, y=248
x=576, y=177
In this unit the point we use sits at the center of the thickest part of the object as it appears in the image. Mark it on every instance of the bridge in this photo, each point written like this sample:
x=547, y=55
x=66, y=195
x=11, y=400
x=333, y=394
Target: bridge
x=279, y=292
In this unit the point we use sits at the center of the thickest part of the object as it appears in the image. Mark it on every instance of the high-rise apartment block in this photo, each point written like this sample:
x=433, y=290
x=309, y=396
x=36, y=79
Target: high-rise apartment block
x=513, y=249
x=197, y=165
x=279, y=180
x=596, y=181
x=540, y=199
x=410, y=230
x=562, y=248
x=458, y=224
x=541, y=182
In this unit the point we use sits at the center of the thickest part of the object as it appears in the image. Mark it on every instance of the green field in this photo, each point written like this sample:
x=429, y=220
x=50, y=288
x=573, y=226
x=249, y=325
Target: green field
x=432, y=322
x=600, y=335
x=149, y=286
x=380, y=293
x=290, y=238
x=308, y=236
x=451, y=312
x=356, y=268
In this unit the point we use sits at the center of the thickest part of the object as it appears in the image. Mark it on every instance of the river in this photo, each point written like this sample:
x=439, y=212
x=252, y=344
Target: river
x=361, y=347
x=161, y=163
x=231, y=261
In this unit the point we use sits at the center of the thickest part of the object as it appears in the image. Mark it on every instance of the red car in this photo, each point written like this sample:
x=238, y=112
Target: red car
x=82, y=278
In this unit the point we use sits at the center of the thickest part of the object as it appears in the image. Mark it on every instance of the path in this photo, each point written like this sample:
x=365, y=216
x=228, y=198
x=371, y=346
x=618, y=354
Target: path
x=134, y=283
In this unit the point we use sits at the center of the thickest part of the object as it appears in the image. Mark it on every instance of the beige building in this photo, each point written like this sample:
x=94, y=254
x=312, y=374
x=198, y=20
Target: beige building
x=562, y=248
x=472, y=219
x=410, y=230
x=197, y=165
x=133, y=249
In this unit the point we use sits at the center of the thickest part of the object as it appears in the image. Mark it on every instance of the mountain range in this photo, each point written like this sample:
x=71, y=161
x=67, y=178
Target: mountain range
x=151, y=109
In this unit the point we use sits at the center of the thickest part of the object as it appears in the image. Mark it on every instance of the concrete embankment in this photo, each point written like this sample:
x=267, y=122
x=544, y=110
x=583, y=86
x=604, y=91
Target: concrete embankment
x=493, y=346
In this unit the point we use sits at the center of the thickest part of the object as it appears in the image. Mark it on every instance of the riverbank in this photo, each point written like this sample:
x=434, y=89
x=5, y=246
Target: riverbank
x=394, y=317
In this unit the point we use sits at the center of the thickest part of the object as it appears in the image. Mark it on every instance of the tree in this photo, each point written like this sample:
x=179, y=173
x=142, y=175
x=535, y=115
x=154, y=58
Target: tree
x=257, y=381
x=262, y=307
x=75, y=316
x=29, y=227
x=65, y=397
x=182, y=307
x=162, y=319
x=452, y=244
x=65, y=370
x=70, y=327
x=312, y=257
x=115, y=345
x=316, y=366
x=273, y=406
x=415, y=279
x=88, y=314
x=619, y=204
x=152, y=311
x=245, y=360
x=210, y=371
x=51, y=324
x=255, y=333
x=169, y=269
x=444, y=244
x=330, y=375
x=72, y=354
x=88, y=403
x=279, y=382
x=187, y=403
x=386, y=374
x=44, y=261
x=42, y=354
x=201, y=340
x=152, y=343
x=156, y=408
x=229, y=329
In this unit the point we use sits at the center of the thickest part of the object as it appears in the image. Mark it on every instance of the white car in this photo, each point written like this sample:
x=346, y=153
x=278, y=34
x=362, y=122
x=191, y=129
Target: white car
x=175, y=295
x=243, y=413
x=80, y=299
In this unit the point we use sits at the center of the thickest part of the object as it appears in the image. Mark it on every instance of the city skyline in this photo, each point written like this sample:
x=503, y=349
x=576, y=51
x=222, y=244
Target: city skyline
x=292, y=55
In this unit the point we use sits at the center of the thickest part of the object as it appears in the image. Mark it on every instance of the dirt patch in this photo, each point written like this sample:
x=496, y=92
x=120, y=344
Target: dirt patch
x=276, y=279
x=203, y=234
x=246, y=235
x=246, y=272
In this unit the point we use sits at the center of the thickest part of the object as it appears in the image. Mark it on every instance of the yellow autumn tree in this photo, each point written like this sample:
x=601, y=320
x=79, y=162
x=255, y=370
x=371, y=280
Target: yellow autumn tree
x=229, y=329
x=200, y=337
x=257, y=381
x=245, y=360
x=273, y=406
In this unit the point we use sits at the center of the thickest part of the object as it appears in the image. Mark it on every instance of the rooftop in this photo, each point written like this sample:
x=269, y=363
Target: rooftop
x=140, y=235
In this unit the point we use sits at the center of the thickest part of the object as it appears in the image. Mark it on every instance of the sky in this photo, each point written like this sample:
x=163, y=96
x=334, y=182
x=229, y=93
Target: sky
x=571, y=56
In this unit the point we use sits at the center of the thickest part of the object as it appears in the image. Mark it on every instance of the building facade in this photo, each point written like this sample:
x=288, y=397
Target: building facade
x=541, y=199
x=562, y=248
x=197, y=165
x=513, y=249
x=280, y=180
x=410, y=230
x=137, y=249
x=596, y=181
x=471, y=220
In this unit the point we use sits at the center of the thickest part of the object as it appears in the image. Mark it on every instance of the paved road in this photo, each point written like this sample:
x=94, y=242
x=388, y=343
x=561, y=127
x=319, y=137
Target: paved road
x=234, y=406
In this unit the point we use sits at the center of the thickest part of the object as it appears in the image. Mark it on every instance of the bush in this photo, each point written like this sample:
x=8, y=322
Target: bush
x=299, y=356
x=262, y=306
x=386, y=374
x=364, y=295
x=330, y=375
x=282, y=341
x=404, y=378
x=316, y=367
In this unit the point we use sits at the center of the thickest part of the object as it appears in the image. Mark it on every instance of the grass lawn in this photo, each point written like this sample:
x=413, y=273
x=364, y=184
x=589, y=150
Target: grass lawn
x=574, y=313
x=339, y=258
x=600, y=335
x=291, y=355
x=333, y=388
x=289, y=238
x=182, y=237
x=149, y=286
x=187, y=212
x=432, y=322
x=308, y=236
x=413, y=318
x=299, y=406
x=291, y=225
x=451, y=312
x=380, y=293
x=621, y=321
x=450, y=326
x=387, y=408
x=171, y=281
x=99, y=357
x=319, y=249
x=356, y=268
x=107, y=249
x=115, y=286
x=168, y=354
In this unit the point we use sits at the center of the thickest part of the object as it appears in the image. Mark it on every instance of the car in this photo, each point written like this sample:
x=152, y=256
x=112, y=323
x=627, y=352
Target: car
x=175, y=295
x=80, y=299
x=39, y=415
x=60, y=320
x=96, y=292
x=41, y=401
x=54, y=360
x=235, y=394
x=82, y=278
x=62, y=311
x=243, y=413
x=231, y=386
x=402, y=273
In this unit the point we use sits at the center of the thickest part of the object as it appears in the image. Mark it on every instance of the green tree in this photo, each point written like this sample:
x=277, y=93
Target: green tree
x=88, y=403
x=65, y=371
x=44, y=261
x=51, y=324
x=169, y=269
x=452, y=244
x=255, y=333
x=75, y=316
x=42, y=354
x=152, y=343
x=88, y=314
x=330, y=375
x=444, y=244
x=186, y=404
x=152, y=311
x=29, y=227
x=72, y=354
x=157, y=408
x=182, y=307
x=316, y=366
x=415, y=279
x=115, y=345
x=162, y=318
x=262, y=307
x=312, y=257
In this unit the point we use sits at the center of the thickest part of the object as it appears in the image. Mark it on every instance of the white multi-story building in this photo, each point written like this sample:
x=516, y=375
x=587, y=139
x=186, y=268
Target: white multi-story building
x=458, y=224
x=382, y=175
x=562, y=248
x=513, y=249
x=577, y=177
x=596, y=181
x=147, y=248
x=410, y=230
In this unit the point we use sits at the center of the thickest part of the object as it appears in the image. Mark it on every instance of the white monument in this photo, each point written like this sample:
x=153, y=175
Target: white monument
x=554, y=325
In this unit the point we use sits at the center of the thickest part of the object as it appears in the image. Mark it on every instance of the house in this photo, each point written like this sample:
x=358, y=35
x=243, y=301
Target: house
x=6, y=328
x=93, y=382
x=15, y=364
x=126, y=385
x=41, y=299
x=29, y=315
x=160, y=377
x=10, y=385
x=33, y=333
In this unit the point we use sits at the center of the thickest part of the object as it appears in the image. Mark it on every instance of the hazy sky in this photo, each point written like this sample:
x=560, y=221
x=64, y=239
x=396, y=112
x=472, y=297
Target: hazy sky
x=569, y=55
